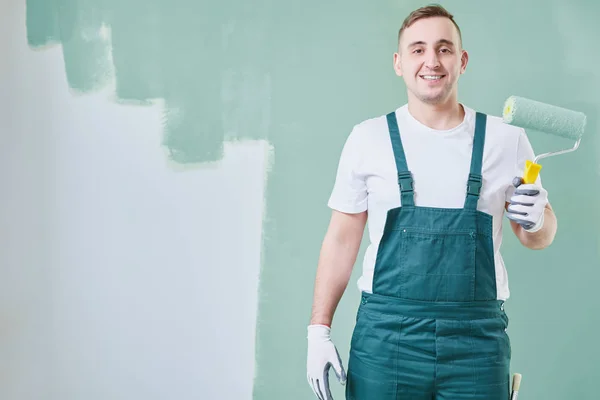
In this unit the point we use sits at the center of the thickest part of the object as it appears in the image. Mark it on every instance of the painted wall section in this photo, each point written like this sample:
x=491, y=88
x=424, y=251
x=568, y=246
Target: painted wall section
x=122, y=274
x=205, y=63
x=334, y=71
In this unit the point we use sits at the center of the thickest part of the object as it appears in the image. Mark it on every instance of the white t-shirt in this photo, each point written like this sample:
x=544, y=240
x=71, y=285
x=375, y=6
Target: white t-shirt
x=440, y=162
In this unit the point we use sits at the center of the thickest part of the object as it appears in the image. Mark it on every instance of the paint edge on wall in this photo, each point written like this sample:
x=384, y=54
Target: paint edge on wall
x=269, y=165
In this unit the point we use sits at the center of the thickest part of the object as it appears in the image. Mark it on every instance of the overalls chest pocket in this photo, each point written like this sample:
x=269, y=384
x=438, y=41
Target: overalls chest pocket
x=437, y=265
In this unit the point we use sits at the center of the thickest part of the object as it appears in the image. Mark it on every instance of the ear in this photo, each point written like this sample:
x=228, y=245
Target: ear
x=397, y=65
x=464, y=60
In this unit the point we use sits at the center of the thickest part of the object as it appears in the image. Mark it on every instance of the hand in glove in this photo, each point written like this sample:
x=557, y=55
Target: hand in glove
x=322, y=355
x=527, y=205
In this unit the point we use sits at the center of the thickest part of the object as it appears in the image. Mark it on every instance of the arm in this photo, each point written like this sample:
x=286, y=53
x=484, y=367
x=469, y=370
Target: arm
x=338, y=255
x=542, y=238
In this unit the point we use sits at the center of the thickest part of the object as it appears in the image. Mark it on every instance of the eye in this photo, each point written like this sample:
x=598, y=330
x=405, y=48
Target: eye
x=445, y=50
x=417, y=50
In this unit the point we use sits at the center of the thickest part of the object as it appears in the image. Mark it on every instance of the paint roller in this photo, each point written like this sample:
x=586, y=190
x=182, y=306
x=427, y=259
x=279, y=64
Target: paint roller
x=531, y=114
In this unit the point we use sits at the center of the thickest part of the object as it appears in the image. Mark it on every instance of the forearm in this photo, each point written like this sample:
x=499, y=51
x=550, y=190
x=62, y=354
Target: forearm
x=543, y=237
x=334, y=269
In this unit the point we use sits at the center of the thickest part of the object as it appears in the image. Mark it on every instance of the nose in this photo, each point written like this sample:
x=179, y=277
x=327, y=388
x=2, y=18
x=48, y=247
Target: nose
x=432, y=60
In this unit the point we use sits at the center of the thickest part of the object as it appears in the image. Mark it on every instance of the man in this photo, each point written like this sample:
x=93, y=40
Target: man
x=435, y=178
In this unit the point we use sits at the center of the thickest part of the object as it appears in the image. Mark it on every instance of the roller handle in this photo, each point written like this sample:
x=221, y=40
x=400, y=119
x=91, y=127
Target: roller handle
x=532, y=170
x=516, y=384
x=530, y=175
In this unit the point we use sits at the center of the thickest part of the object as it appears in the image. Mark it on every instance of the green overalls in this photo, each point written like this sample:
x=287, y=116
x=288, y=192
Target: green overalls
x=432, y=327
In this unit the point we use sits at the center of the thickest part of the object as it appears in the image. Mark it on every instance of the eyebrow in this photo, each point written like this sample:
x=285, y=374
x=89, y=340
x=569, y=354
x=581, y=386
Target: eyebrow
x=441, y=41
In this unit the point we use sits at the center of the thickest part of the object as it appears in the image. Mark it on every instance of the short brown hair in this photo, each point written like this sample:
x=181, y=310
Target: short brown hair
x=432, y=10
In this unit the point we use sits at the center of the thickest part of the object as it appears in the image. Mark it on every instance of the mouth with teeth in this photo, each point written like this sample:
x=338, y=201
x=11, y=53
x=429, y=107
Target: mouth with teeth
x=432, y=78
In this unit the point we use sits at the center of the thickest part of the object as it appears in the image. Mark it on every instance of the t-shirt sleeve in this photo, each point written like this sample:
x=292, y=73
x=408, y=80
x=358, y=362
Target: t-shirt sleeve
x=524, y=152
x=349, y=192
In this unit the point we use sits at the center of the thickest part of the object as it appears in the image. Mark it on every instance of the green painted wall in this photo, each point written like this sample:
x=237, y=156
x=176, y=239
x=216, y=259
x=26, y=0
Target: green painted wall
x=301, y=74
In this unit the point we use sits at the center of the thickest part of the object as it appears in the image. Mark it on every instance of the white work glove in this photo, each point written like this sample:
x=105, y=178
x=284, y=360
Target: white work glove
x=322, y=355
x=527, y=205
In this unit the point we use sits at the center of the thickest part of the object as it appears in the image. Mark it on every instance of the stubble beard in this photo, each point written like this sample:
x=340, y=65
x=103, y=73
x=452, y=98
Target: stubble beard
x=434, y=99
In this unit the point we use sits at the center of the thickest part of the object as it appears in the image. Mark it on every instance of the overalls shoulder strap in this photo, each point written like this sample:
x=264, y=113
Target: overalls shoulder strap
x=405, y=180
x=475, y=177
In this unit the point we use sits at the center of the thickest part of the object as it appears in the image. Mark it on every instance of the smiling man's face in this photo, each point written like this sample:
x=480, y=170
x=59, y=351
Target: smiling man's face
x=431, y=59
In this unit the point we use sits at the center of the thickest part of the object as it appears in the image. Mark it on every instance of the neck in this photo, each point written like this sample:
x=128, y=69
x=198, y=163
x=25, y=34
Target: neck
x=442, y=116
